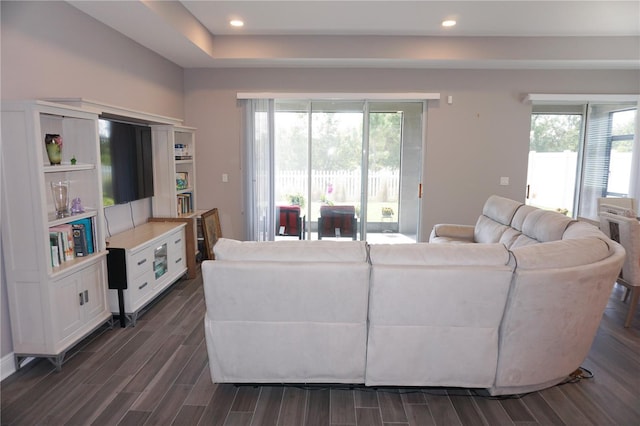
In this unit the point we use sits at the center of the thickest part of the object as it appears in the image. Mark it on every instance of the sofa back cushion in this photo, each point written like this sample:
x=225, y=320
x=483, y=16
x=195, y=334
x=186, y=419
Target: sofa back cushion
x=539, y=226
x=291, y=251
x=426, y=254
x=561, y=254
x=496, y=217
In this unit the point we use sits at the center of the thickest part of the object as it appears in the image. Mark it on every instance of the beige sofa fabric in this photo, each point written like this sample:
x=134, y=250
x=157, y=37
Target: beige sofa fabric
x=434, y=314
x=273, y=316
x=512, y=316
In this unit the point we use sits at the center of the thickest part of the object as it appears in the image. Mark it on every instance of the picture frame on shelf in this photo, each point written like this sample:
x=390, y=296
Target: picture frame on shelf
x=211, y=231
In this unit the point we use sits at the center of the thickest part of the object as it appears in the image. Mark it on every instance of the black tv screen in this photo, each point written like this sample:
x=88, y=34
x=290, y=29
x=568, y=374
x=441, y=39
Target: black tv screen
x=127, y=161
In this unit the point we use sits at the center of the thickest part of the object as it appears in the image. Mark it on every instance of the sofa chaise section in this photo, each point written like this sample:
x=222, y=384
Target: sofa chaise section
x=287, y=311
x=434, y=314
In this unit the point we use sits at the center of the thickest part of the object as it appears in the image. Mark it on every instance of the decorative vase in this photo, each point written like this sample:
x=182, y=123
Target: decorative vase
x=53, y=144
x=60, y=192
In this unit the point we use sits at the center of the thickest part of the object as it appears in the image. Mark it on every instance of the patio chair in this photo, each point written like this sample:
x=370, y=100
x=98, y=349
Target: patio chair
x=337, y=221
x=289, y=223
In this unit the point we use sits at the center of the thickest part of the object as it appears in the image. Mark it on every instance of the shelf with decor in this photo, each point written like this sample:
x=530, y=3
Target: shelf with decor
x=54, y=302
x=175, y=180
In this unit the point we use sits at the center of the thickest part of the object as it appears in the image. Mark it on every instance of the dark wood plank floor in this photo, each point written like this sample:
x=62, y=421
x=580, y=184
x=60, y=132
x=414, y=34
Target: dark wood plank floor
x=157, y=374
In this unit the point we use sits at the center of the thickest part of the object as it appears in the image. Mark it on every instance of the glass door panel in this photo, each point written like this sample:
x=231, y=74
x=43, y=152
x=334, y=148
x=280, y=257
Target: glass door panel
x=336, y=168
x=553, y=161
x=291, y=171
x=394, y=171
x=357, y=163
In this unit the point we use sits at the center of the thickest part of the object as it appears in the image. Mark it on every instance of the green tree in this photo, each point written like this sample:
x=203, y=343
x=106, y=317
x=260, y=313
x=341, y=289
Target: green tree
x=555, y=132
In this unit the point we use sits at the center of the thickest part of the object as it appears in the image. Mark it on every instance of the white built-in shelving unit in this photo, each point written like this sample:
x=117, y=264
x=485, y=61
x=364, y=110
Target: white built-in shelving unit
x=51, y=307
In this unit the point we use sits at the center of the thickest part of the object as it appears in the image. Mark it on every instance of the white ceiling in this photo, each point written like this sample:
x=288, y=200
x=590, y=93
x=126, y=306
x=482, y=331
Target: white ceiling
x=334, y=33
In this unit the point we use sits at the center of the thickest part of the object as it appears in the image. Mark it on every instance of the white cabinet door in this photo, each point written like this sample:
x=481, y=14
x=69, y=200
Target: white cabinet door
x=67, y=312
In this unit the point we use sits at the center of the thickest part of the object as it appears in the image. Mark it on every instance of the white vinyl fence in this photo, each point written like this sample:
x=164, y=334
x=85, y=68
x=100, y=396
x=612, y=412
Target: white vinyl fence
x=552, y=177
x=338, y=186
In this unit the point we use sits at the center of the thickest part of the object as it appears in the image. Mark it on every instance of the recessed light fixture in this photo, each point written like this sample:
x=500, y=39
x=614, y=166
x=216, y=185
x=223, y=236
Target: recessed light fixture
x=448, y=23
x=236, y=23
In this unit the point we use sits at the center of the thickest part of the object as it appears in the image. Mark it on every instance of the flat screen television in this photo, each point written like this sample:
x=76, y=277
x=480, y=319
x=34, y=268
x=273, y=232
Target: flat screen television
x=127, y=161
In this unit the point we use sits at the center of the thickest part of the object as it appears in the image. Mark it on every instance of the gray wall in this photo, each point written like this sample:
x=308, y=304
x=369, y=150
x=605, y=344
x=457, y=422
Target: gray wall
x=50, y=49
x=470, y=144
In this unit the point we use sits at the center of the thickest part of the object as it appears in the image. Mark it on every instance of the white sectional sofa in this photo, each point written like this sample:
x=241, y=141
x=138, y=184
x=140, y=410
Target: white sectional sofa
x=512, y=307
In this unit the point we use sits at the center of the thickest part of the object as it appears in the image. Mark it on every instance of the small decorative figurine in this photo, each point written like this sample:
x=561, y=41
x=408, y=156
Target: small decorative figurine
x=73, y=160
x=76, y=206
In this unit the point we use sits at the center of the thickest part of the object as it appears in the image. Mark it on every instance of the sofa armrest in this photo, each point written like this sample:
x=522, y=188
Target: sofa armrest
x=446, y=232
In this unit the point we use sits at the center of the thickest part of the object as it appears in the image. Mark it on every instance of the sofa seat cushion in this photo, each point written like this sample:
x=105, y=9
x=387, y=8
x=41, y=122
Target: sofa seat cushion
x=291, y=251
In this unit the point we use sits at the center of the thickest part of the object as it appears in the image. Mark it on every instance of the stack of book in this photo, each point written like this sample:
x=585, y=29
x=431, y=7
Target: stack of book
x=185, y=203
x=71, y=240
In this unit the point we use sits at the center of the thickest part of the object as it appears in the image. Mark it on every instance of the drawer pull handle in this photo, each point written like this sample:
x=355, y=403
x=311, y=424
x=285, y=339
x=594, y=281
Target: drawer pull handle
x=86, y=296
x=142, y=286
x=81, y=299
x=142, y=261
x=177, y=241
x=179, y=260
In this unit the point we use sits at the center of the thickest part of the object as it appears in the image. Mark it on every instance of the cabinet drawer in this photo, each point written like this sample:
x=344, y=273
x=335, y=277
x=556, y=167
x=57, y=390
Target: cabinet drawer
x=139, y=289
x=140, y=262
x=177, y=255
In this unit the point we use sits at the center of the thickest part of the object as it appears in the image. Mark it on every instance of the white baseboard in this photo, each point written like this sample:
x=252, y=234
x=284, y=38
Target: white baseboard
x=8, y=365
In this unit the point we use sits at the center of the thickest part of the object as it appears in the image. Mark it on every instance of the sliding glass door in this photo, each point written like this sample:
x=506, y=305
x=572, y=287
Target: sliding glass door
x=357, y=158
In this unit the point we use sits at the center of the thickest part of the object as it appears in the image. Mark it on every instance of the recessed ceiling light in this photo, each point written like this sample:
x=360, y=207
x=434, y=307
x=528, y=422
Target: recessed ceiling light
x=448, y=23
x=236, y=23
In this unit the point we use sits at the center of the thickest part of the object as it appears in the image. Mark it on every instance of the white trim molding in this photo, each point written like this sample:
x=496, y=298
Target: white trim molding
x=560, y=98
x=340, y=96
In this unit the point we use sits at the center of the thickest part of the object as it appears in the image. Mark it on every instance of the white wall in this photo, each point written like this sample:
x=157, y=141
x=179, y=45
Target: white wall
x=470, y=144
x=51, y=49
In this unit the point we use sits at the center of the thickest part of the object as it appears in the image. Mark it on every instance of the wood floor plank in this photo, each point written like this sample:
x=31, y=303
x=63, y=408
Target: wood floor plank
x=156, y=389
x=342, y=407
x=366, y=398
x=203, y=389
x=586, y=405
x=216, y=412
x=134, y=418
x=493, y=412
x=368, y=416
x=517, y=411
x=567, y=411
x=419, y=415
x=268, y=406
x=293, y=407
x=442, y=409
x=239, y=419
x=412, y=396
x=192, y=371
x=465, y=408
x=188, y=415
x=94, y=406
x=318, y=403
x=391, y=407
x=154, y=365
x=543, y=413
x=171, y=402
x=246, y=398
x=119, y=358
x=116, y=409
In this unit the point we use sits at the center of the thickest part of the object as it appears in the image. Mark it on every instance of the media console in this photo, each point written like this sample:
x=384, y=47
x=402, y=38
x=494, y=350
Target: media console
x=142, y=263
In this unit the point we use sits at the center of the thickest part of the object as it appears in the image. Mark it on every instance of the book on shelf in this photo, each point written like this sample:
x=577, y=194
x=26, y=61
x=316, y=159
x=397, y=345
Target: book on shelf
x=185, y=203
x=54, y=244
x=87, y=227
x=182, y=180
x=64, y=234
